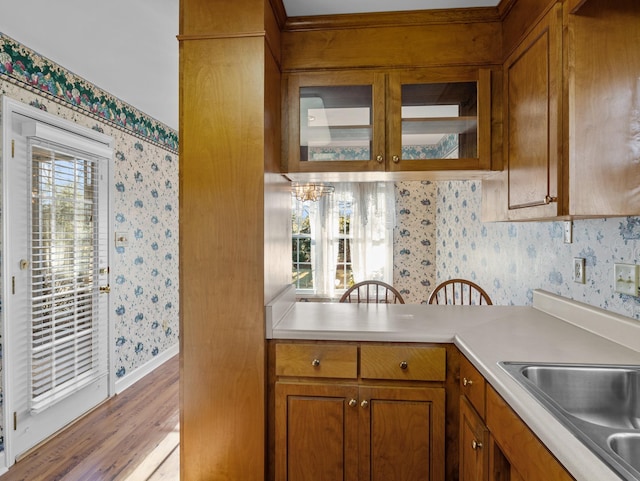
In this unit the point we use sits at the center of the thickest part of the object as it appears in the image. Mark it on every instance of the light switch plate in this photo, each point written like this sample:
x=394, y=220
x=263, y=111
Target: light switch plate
x=578, y=270
x=626, y=279
x=568, y=232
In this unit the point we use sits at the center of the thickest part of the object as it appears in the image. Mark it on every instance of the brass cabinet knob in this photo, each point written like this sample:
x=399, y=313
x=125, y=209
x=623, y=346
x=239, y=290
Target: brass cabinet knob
x=353, y=403
x=315, y=362
x=466, y=382
x=379, y=159
x=475, y=445
x=395, y=159
x=404, y=365
x=364, y=403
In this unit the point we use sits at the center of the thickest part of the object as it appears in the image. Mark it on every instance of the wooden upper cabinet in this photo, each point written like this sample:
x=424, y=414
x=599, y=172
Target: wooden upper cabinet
x=335, y=122
x=571, y=100
x=439, y=119
x=359, y=122
x=533, y=127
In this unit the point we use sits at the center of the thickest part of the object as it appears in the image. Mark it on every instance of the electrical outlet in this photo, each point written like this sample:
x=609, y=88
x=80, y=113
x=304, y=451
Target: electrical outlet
x=626, y=279
x=578, y=270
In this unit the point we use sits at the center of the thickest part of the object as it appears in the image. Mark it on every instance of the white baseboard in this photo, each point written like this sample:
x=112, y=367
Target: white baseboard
x=130, y=379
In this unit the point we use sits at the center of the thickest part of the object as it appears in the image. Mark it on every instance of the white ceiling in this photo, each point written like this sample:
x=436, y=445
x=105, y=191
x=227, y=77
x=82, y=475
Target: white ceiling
x=129, y=48
x=301, y=8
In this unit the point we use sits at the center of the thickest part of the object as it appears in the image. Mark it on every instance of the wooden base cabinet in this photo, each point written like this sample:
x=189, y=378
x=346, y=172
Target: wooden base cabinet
x=474, y=435
x=367, y=433
x=353, y=427
x=317, y=432
x=474, y=444
x=495, y=444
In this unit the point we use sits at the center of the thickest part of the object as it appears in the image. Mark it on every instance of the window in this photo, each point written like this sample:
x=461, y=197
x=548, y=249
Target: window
x=343, y=238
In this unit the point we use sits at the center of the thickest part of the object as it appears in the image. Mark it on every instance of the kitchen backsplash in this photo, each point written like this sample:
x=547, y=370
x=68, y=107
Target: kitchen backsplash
x=510, y=260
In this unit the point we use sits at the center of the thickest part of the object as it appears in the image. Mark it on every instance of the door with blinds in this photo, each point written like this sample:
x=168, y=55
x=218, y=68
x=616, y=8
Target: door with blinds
x=57, y=232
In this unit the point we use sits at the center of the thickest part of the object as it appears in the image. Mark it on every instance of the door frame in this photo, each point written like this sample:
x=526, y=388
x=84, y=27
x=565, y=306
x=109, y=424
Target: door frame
x=9, y=108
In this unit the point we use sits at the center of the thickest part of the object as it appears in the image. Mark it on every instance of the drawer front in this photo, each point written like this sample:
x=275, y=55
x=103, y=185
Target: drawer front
x=317, y=360
x=472, y=385
x=403, y=363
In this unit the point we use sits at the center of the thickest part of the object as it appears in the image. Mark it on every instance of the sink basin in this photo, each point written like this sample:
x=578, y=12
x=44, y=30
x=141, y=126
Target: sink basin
x=599, y=404
x=627, y=446
x=609, y=396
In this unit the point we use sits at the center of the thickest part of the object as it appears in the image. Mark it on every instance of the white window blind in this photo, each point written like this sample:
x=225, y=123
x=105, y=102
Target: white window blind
x=64, y=273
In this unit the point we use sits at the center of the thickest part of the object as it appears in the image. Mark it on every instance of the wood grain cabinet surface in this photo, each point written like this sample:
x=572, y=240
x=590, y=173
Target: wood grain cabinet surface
x=403, y=121
x=495, y=444
x=474, y=444
x=571, y=141
x=378, y=428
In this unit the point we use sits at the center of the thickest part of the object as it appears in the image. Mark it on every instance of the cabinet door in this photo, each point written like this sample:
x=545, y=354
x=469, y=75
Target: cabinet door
x=472, y=385
x=402, y=434
x=533, y=126
x=474, y=447
x=316, y=432
x=439, y=119
x=335, y=122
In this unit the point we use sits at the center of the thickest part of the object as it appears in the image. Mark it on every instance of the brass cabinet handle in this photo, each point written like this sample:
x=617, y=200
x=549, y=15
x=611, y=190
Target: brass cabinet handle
x=315, y=362
x=466, y=382
x=379, y=159
x=548, y=199
x=364, y=403
x=353, y=403
x=476, y=445
x=404, y=365
x=395, y=159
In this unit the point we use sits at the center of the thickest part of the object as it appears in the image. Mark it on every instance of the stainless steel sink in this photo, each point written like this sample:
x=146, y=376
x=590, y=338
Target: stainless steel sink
x=599, y=404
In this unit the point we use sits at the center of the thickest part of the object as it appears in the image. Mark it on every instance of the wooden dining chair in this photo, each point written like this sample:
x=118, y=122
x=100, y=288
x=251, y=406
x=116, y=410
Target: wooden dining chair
x=459, y=292
x=372, y=292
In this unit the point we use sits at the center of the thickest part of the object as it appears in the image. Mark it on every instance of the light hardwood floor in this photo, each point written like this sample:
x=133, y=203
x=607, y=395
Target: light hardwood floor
x=134, y=436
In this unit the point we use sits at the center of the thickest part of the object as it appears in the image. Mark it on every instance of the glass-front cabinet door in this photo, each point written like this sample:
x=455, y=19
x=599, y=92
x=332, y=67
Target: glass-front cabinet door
x=336, y=122
x=436, y=118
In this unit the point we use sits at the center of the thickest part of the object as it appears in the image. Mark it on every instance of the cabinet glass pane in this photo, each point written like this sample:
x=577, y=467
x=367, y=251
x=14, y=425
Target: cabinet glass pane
x=440, y=121
x=336, y=123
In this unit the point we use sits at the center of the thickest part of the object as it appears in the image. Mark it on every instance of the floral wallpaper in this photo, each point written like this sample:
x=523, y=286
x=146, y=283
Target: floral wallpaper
x=144, y=273
x=510, y=260
x=414, y=239
x=445, y=147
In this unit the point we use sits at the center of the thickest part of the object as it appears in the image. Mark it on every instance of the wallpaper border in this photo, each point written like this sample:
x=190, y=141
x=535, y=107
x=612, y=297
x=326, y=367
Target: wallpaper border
x=21, y=65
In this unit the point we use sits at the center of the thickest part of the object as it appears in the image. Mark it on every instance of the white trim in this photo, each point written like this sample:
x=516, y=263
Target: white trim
x=44, y=131
x=130, y=379
x=9, y=108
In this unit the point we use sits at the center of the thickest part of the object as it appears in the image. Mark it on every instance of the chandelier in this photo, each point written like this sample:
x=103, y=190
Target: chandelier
x=310, y=190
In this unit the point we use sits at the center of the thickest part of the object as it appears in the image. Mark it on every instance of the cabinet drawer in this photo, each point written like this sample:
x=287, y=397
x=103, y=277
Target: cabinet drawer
x=403, y=362
x=472, y=385
x=317, y=360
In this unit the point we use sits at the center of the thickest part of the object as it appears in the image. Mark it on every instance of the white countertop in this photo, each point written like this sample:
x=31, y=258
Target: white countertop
x=487, y=335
